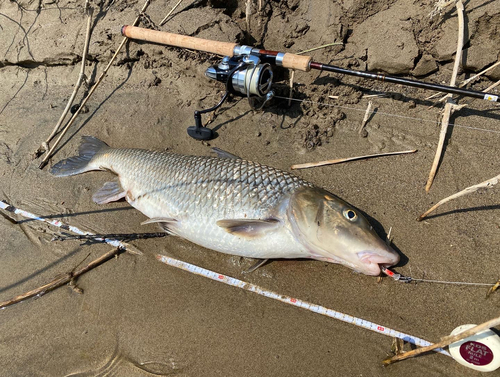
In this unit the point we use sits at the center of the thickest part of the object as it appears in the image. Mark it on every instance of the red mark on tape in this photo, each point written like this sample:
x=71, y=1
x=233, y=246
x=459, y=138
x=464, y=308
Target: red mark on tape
x=221, y=277
x=380, y=328
x=294, y=300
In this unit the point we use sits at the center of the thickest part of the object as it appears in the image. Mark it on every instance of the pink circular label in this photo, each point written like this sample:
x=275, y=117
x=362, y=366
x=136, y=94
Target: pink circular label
x=476, y=353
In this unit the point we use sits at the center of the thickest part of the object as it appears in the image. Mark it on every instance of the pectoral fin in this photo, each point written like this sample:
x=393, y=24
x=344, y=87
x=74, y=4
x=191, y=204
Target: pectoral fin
x=249, y=228
x=110, y=192
x=166, y=223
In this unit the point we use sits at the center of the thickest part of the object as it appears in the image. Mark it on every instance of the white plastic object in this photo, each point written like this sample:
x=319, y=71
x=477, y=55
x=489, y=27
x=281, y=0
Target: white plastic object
x=480, y=351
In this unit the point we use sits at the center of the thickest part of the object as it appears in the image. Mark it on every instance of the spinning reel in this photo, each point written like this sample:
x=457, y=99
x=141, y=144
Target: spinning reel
x=244, y=75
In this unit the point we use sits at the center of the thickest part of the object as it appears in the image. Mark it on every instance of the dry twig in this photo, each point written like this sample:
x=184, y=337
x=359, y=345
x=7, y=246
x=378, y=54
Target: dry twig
x=169, y=13
x=465, y=82
x=492, y=86
x=493, y=289
x=81, y=78
x=290, y=95
x=92, y=90
x=340, y=160
x=68, y=277
x=445, y=341
x=365, y=118
x=248, y=13
x=486, y=184
x=449, y=104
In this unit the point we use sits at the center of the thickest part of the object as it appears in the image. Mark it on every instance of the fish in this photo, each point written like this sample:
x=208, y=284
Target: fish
x=234, y=206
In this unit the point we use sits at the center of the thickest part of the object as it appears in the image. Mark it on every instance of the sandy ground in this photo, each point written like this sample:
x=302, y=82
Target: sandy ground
x=138, y=317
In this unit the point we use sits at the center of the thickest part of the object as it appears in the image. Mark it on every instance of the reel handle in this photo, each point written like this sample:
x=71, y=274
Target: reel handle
x=288, y=60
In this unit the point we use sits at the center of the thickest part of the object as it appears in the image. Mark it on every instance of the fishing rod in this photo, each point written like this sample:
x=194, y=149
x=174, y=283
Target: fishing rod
x=247, y=71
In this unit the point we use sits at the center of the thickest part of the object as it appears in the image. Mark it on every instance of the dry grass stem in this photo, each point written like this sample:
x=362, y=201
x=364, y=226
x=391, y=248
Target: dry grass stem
x=486, y=184
x=248, y=13
x=340, y=160
x=445, y=341
x=169, y=13
x=492, y=86
x=290, y=95
x=365, y=118
x=493, y=289
x=320, y=47
x=68, y=277
x=465, y=82
x=440, y=6
x=91, y=91
x=449, y=105
x=81, y=78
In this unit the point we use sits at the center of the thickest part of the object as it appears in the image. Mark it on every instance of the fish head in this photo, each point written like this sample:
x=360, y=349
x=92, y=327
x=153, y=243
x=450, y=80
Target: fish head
x=334, y=231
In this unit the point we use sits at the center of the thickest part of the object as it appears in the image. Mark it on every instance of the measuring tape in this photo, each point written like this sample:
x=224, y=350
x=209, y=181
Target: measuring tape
x=296, y=302
x=9, y=208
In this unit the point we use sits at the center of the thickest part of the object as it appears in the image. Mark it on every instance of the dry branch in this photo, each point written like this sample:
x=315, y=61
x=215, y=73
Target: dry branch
x=340, y=160
x=61, y=280
x=92, y=90
x=169, y=13
x=81, y=78
x=486, y=184
x=449, y=104
x=445, y=341
x=365, y=118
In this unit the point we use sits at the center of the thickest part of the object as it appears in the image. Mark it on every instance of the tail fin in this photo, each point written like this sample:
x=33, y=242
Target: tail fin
x=80, y=164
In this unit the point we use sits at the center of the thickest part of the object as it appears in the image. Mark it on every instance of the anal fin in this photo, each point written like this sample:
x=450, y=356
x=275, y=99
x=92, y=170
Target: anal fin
x=110, y=192
x=256, y=265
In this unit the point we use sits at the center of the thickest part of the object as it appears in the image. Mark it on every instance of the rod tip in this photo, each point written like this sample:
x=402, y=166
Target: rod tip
x=123, y=30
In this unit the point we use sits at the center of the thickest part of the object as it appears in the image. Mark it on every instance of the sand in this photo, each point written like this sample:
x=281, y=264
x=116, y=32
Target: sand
x=138, y=317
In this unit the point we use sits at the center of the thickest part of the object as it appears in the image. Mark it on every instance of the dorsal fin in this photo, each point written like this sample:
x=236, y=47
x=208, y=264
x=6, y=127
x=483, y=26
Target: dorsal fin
x=224, y=154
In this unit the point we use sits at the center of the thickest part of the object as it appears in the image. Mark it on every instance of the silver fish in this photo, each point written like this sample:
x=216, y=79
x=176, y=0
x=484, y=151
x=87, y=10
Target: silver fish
x=234, y=206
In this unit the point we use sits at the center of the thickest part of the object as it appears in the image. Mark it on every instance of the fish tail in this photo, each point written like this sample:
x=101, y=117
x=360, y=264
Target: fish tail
x=81, y=163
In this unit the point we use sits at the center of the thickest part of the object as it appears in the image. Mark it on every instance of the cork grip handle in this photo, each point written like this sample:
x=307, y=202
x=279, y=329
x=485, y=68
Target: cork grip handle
x=299, y=62
x=161, y=37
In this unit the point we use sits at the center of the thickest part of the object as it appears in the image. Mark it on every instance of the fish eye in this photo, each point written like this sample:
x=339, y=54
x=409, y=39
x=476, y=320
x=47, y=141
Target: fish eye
x=350, y=215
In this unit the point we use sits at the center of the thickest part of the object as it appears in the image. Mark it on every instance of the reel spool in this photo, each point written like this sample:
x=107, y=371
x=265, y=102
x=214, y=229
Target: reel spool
x=243, y=75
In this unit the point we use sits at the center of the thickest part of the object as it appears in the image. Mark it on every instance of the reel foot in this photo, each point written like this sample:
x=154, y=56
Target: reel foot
x=200, y=133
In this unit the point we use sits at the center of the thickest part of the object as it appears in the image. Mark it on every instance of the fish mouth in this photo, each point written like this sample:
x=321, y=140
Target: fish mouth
x=372, y=261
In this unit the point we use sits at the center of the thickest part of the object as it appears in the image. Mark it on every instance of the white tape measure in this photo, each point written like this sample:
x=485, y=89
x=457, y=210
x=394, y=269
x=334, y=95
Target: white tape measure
x=296, y=302
x=57, y=223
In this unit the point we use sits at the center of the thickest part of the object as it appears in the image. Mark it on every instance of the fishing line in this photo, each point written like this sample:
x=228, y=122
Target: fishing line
x=386, y=114
x=452, y=282
x=296, y=302
x=409, y=279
